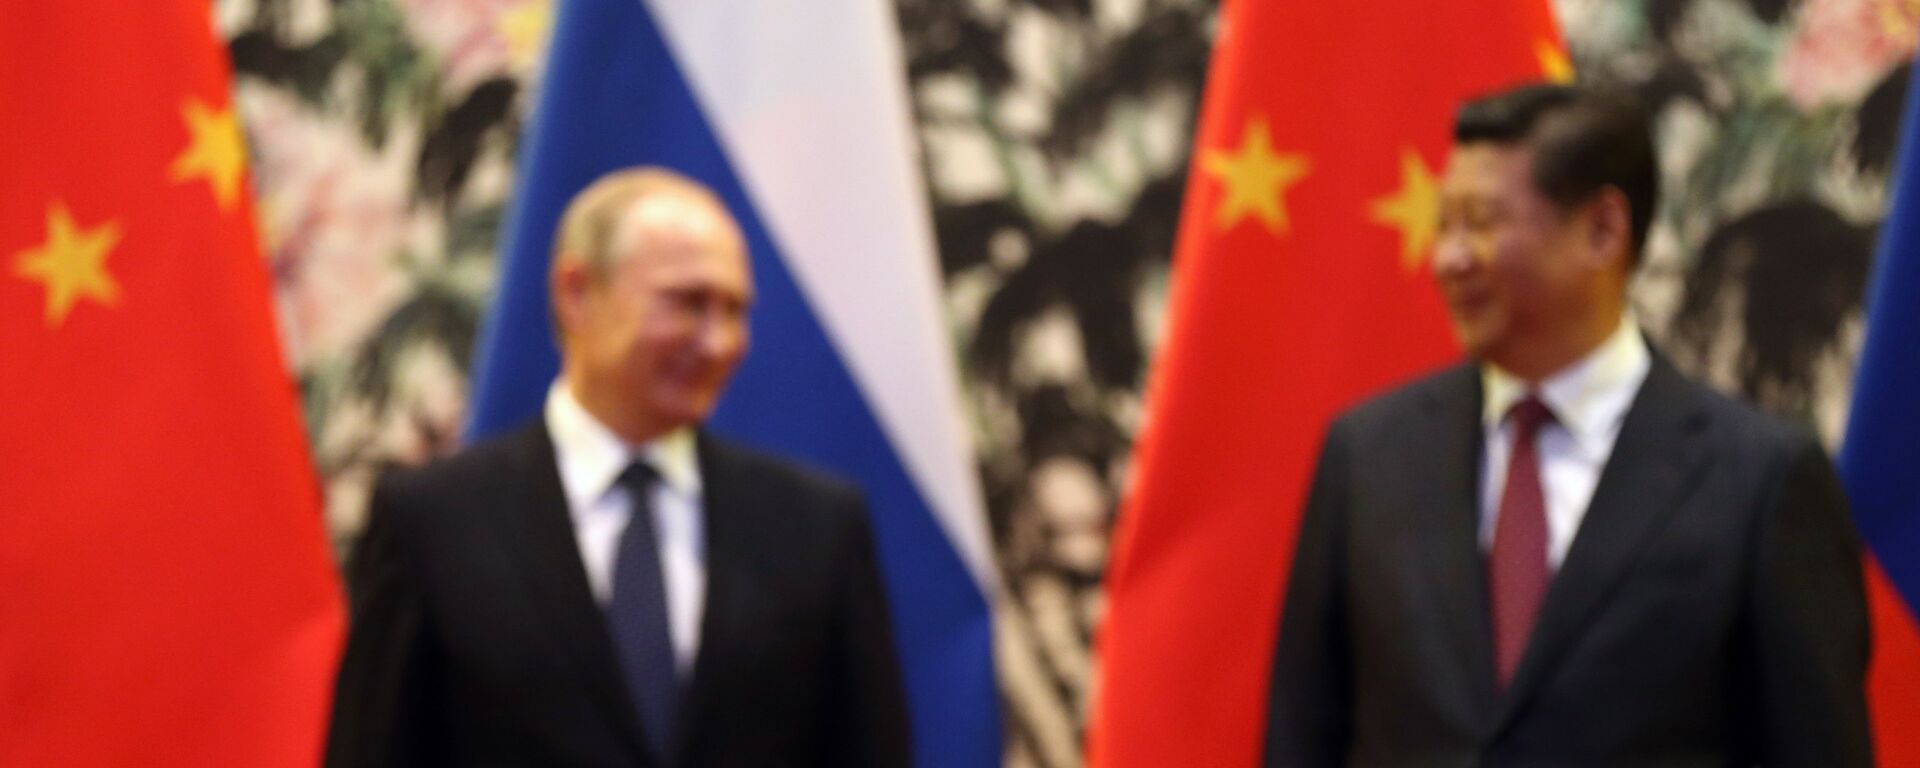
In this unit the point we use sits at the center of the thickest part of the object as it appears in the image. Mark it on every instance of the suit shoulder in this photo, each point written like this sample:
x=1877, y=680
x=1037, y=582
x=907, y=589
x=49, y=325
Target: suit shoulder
x=1752, y=422
x=1743, y=429
x=775, y=471
x=1456, y=386
x=777, y=476
x=460, y=475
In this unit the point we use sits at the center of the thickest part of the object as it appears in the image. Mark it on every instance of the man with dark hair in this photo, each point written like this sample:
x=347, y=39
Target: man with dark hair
x=1562, y=552
x=610, y=585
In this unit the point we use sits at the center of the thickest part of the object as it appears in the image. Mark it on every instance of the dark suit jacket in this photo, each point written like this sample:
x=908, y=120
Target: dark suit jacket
x=475, y=639
x=1710, y=611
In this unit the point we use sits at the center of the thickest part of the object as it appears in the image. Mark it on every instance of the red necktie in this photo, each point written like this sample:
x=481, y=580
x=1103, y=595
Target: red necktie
x=1517, y=567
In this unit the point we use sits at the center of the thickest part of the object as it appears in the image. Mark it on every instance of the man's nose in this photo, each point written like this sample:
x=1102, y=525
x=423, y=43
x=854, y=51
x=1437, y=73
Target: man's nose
x=1451, y=253
x=721, y=332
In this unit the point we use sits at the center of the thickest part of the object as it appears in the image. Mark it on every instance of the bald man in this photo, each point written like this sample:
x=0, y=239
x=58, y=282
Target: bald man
x=610, y=585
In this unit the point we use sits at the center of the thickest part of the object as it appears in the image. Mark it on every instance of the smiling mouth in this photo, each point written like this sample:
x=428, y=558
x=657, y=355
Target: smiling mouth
x=1467, y=302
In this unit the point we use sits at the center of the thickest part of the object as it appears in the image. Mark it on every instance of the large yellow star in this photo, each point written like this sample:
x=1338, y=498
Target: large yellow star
x=72, y=263
x=216, y=151
x=1900, y=20
x=1255, y=178
x=1554, y=64
x=1414, y=209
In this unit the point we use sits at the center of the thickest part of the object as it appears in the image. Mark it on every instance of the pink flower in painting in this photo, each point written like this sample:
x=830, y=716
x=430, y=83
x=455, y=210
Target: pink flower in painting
x=1840, y=48
x=334, y=217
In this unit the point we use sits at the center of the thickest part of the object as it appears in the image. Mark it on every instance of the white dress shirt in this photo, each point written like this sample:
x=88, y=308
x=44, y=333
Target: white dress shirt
x=591, y=458
x=1589, y=401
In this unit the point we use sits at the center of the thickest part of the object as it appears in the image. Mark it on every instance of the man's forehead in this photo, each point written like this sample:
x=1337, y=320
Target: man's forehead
x=670, y=222
x=674, y=214
x=1488, y=167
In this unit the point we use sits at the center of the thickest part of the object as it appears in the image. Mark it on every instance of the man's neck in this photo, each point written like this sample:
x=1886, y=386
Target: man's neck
x=1535, y=360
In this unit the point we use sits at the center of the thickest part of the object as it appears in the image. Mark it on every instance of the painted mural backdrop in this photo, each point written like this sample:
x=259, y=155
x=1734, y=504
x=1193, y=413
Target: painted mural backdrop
x=1055, y=137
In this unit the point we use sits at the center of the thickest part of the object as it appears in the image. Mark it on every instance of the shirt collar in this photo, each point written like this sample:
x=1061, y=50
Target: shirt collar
x=591, y=457
x=1588, y=398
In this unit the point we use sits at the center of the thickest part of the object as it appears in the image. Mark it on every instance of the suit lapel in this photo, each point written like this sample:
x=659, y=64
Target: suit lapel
x=1655, y=461
x=1447, y=479
x=550, y=563
x=725, y=502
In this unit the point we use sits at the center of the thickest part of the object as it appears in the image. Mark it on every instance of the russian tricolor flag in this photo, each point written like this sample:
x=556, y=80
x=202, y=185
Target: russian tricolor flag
x=1881, y=459
x=795, y=113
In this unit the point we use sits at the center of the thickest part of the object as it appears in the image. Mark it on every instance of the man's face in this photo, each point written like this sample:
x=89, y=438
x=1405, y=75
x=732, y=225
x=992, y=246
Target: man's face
x=1508, y=261
x=655, y=337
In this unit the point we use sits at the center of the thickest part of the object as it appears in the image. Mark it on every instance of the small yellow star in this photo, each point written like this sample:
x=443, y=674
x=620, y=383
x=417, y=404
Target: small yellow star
x=1554, y=64
x=524, y=28
x=1414, y=209
x=216, y=152
x=1255, y=178
x=1899, y=20
x=72, y=263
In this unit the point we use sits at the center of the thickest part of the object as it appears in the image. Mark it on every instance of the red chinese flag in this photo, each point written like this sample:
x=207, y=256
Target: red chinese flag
x=1893, y=674
x=166, y=592
x=1300, y=285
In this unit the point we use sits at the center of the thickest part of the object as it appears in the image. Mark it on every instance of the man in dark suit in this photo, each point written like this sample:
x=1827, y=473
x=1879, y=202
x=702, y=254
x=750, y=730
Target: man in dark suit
x=1562, y=552
x=610, y=586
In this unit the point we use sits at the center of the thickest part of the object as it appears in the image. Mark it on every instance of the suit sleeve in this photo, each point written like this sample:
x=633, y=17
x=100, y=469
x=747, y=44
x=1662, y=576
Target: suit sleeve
x=869, y=727
x=380, y=709
x=1309, y=702
x=1809, y=627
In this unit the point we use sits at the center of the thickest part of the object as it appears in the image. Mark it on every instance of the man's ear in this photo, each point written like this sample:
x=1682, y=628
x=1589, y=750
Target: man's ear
x=1609, y=228
x=569, y=291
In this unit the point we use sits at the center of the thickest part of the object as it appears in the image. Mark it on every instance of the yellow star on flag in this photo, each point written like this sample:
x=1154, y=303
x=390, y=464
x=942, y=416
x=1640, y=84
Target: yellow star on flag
x=216, y=151
x=1899, y=20
x=72, y=263
x=1554, y=64
x=1255, y=178
x=1414, y=209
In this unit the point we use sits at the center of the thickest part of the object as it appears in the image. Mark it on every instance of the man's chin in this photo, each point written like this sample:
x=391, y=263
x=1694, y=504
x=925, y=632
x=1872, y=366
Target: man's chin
x=688, y=409
x=1472, y=338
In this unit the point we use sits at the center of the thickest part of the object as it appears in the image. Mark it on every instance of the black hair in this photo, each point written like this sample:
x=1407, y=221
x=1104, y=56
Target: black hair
x=1583, y=141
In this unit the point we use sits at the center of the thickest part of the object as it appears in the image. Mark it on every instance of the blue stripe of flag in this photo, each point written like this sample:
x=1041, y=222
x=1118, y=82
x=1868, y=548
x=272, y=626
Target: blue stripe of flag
x=1880, y=461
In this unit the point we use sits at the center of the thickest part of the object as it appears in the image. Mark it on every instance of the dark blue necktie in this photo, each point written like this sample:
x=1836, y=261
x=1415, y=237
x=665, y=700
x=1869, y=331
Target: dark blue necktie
x=637, y=615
